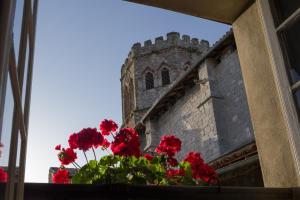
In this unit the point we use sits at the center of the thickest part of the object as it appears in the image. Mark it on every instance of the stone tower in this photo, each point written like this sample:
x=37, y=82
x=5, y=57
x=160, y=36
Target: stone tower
x=151, y=69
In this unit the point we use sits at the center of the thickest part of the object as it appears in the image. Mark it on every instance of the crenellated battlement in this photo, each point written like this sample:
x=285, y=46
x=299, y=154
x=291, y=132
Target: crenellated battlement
x=173, y=39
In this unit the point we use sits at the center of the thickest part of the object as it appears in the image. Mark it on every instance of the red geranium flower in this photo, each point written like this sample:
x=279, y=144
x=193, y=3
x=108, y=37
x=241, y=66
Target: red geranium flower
x=61, y=176
x=209, y=175
x=200, y=170
x=3, y=176
x=85, y=139
x=73, y=141
x=175, y=172
x=126, y=143
x=58, y=147
x=169, y=144
x=67, y=156
x=108, y=126
x=172, y=161
x=148, y=157
x=196, y=163
x=105, y=143
x=98, y=139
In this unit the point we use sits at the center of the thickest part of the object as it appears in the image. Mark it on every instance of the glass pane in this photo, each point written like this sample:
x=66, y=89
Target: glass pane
x=18, y=26
x=25, y=76
x=7, y=126
x=297, y=100
x=290, y=41
x=284, y=8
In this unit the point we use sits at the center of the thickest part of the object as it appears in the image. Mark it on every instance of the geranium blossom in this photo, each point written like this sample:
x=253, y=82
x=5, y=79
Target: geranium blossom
x=126, y=143
x=196, y=163
x=98, y=139
x=58, y=147
x=85, y=139
x=105, y=143
x=61, y=176
x=67, y=156
x=108, y=126
x=209, y=175
x=169, y=145
x=149, y=157
x=3, y=176
x=200, y=170
x=73, y=141
x=172, y=161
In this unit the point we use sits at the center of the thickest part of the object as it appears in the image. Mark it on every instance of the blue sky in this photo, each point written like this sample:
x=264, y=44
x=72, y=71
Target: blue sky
x=80, y=47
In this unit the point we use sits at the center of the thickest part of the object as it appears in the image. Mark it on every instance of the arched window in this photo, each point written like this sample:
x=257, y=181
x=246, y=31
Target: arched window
x=149, y=81
x=165, y=76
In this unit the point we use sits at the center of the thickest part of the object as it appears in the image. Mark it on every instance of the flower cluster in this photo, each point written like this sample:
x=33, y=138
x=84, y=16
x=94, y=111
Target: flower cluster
x=200, y=170
x=61, y=176
x=86, y=139
x=108, y=126
x=169, y=146
x=127, y=164
x=126, y=143
x=67, y=156
x=3, y=175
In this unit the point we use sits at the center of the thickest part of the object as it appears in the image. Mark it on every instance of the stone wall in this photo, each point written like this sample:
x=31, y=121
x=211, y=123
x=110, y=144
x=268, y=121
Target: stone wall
x=230, y=103
x=174, y=53
x=212, y=117
x=191, y=119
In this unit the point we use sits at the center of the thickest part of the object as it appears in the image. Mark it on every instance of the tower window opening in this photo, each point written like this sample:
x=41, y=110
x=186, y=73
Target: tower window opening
x=149, y=81
x=165, y=75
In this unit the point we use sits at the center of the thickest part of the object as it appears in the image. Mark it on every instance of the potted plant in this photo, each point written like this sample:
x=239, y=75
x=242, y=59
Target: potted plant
x=126, y=164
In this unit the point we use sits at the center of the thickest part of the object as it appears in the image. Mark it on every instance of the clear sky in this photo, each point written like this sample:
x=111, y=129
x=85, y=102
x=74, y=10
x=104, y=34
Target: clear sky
x=80, y=47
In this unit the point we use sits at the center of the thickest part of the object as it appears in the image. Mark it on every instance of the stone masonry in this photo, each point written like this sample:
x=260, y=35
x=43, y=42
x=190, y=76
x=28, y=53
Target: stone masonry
x=174, y=54
x=211, y=117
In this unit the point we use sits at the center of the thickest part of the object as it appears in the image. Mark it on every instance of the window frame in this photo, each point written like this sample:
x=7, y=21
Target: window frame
x=281, y=78
x=9, y=67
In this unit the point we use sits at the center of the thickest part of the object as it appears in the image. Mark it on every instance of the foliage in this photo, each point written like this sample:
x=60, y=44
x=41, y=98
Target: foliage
x=126, y=164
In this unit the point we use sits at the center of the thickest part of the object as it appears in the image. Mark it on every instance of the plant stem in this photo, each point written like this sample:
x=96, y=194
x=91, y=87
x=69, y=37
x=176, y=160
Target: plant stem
x=85, y=157
x=94, y=153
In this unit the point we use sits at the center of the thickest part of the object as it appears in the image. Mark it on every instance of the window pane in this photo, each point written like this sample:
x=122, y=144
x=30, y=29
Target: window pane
x=25, y=75
x=290, y=41
x=7, y=125
x=18, y=26
x=284, y=8
x=297, y=100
